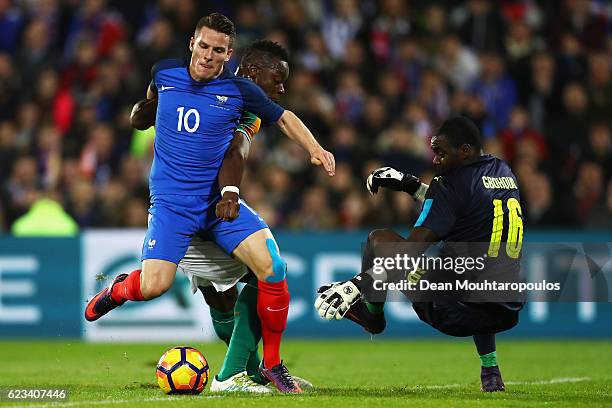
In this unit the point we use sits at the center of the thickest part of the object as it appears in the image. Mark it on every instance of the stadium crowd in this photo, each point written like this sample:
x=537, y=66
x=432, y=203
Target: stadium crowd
x=372, y=80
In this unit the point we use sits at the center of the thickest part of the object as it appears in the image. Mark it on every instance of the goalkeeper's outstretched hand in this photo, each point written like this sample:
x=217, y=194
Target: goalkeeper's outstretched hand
x=390, y=178
x=336, y=299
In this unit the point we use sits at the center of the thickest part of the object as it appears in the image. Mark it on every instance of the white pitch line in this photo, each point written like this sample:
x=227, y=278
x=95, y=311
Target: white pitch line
x=551, y=381
x=416, y=387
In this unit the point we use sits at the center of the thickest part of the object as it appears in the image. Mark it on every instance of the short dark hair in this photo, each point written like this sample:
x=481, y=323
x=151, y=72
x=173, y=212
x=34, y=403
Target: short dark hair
x=262, y=51
x=459, y=131
x=220, y=23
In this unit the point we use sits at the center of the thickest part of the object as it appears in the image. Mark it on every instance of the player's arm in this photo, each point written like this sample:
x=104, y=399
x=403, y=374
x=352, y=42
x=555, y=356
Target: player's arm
x=257, y=102
x=295, y=129
x=230, y=176
x=144, y=111
x=390, y=178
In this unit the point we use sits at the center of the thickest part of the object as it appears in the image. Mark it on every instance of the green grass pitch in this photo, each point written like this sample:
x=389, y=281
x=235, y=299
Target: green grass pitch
x=355, y=373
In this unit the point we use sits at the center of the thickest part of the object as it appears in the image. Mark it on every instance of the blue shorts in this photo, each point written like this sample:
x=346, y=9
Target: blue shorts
x=175, y=219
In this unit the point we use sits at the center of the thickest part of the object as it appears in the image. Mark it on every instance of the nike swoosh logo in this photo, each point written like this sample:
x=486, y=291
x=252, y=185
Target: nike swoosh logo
x=276, y=310
x=163, y=88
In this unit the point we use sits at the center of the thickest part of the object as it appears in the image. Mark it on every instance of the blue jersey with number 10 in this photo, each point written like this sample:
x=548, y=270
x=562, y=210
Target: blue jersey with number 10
x=195, y=125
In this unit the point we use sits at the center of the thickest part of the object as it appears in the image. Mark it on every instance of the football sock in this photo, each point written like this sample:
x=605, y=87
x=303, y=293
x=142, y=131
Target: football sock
x=485, y=345
x=223, y=323
x=489, y=360
x=245, y=336
x=128, y=289
x=375, y=308
x=272, y=308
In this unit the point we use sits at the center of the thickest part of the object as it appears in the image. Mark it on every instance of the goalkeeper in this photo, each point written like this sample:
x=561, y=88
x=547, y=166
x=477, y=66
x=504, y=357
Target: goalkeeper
x=465, y=203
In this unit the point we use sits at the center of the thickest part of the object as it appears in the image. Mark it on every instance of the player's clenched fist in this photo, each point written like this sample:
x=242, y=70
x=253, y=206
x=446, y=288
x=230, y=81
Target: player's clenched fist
x=228, y=207
x=390, y=178
x=336, y=299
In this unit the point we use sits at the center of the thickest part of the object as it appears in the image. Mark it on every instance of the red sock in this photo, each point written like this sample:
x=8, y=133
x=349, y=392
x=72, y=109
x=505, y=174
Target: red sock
x=128, y=289
x=272, y=308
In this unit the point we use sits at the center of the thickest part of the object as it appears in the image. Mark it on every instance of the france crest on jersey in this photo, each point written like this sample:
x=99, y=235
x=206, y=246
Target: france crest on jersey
x=195, y=125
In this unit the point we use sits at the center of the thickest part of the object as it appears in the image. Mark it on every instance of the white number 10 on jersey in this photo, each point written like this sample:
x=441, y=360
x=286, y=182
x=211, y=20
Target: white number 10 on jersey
x=183, y=120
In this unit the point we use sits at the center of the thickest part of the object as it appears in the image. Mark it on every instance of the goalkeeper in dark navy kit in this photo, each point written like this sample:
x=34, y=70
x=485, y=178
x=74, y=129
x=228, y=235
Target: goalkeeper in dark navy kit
x=473, y=198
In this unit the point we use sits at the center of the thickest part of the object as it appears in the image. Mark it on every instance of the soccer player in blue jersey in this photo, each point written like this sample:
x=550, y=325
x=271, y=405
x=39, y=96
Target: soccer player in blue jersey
x=209, y=269
x=199, y=105
x=466, y=202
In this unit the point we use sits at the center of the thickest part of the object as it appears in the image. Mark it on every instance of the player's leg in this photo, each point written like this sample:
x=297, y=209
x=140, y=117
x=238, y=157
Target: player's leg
x=154, y=279
x=242, y=339
x=221, y=307
x=490, y=376
x=250, y=241
x=479, y=320
x=260, y=253
x=165, y=243
x=242, y=351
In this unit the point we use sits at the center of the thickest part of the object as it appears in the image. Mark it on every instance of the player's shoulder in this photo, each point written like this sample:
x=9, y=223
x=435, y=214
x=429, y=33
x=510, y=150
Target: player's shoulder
x=168, y=63
x=245, y=85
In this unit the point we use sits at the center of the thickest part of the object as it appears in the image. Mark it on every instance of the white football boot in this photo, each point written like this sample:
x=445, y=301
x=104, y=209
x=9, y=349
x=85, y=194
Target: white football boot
x=240, y=382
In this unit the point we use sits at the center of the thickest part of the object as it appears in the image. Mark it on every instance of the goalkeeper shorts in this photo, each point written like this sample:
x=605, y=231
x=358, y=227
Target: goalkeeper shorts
x=462, y=319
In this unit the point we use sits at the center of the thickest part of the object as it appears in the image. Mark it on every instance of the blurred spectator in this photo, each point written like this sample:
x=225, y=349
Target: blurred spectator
x=314, y=212
x=572, y=63
x=350, y=97
x=341, y=26
x=568, y=134
x=11, y=22
x=600, y=146
x=20, y=189
x=540, y=93
x=588, y=191
x=36, y=53
x=577, y=17
x=539, y=207
x=457, y=63
x=388, y=28
x=480, y=25
x=9, y=86
x=496, y=91
x=600, y=85
x=158, y=42
x=519, y=130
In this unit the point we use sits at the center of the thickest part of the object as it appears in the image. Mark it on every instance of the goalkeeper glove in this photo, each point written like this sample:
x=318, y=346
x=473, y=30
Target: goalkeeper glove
x=395, y=180
x=337, y=299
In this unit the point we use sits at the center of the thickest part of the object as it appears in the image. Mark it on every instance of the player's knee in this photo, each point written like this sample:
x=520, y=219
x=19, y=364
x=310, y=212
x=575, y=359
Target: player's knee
x=276, y=267
x=383, y=235
x=155, y=284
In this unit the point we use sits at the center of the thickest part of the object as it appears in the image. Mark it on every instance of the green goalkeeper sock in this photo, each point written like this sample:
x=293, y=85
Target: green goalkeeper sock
x=246, y=335
x=223, y=323
x=489, y=359
x=375, y=308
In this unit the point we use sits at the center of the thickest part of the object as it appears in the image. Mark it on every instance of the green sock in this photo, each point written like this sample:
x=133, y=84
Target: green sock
x=246, y=335
x=223, y=323
x=489, y=359
x=253, y=369
x=375, y=308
